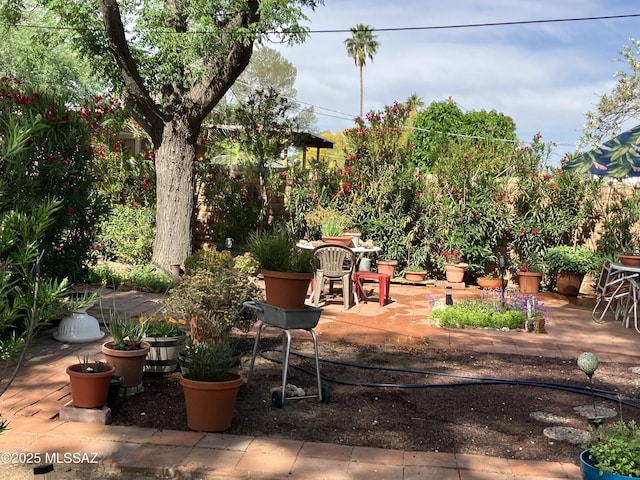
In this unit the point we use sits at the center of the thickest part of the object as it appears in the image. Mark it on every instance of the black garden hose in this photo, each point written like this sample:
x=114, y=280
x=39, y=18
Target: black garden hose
x=473, y=380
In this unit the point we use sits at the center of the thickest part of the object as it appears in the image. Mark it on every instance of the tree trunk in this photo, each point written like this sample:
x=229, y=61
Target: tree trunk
x=361, y=91
x=175, y=163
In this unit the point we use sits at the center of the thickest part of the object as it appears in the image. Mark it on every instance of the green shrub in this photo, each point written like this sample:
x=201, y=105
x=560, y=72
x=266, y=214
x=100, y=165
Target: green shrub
x=208, y=258
x=579, y=260
x=141, y=277
x=128, y=235
x=474, y=313
x=45, y=155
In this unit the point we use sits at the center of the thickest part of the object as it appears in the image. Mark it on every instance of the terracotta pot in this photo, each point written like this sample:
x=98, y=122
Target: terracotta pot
x=492, y=283
x=629, y=259
x=285, y=289
x=529, y=282
x=163, y=353
x=455, y=272
x=89, y=390
x=129, y=364
x=414, y=276
x=388, y=267
x=210, y=405
x=344, y=240
x=568, y=283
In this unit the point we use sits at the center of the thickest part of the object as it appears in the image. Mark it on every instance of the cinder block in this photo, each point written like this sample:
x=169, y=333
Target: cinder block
x=456, y=285
x=70, y=413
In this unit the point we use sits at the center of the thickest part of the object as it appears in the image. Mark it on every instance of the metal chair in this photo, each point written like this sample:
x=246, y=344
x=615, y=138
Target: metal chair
x=615, y=291
x=337, y=263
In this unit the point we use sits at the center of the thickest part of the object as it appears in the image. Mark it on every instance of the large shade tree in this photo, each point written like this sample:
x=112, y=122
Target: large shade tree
x=174, y=61
x=362, y=44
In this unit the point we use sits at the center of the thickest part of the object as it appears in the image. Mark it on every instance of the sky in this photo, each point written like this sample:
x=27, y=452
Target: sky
x=545, y=76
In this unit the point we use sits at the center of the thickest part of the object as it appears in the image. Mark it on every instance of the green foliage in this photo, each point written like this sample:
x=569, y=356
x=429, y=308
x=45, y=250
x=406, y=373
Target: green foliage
x=45, y=154
x=474, y=313
x=90, y=367
x=128, y=235
x=208, y=258
x=233, y=200
x=127, y=333
x=579, y=260
x=620, y=212
x=330, y=222
x=141, y=277
x=214, y=300
x=615, y=448
x=162, y=325
x=246, y=264
x=276, y=251
x=442, y=125
x=27, y=302
x=210, y=361
x=42, y=58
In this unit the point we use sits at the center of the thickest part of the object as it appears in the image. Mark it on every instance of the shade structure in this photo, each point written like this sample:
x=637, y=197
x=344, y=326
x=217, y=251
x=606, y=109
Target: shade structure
x=618, y=157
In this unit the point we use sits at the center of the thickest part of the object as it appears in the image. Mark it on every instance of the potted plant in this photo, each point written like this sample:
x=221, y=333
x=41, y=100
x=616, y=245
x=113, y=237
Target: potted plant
x=212, y=301
x=165, y=336
x=89, y=383
x=612, y=452
x=287, y=270
x=332, y=225
x=127, y=351
x=568, y=265
x=492, y=281
x=210, y=385
x=414, y=273
x=454, y=267
x=529, y=276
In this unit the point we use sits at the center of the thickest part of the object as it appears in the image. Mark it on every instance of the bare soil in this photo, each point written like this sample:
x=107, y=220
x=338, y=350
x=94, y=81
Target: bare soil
x=458, y=402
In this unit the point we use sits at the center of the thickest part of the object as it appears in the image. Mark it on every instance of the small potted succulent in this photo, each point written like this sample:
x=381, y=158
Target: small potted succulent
x=612, y=452
x=127, y=351
x=89, y=382
x=568, y=266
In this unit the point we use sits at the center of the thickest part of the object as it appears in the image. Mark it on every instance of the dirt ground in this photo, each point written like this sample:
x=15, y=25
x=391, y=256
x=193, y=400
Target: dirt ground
x=457, y=402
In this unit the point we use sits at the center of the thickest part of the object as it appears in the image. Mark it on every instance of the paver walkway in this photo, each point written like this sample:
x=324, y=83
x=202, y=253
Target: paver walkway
x=33, y=401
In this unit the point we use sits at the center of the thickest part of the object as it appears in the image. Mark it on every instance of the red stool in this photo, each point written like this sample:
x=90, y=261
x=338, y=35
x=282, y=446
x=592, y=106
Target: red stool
x=384, y=281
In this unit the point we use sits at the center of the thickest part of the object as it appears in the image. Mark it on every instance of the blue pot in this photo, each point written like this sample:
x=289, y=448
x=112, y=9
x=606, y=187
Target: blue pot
x=589, y=472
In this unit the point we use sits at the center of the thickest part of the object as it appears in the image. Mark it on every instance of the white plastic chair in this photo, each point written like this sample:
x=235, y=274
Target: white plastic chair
x=337, y=263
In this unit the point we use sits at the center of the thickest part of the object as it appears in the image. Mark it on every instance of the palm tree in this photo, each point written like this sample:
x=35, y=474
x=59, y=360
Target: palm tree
x=360, y=45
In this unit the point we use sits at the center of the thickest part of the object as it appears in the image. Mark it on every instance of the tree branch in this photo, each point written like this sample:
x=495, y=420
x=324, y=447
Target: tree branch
x=134, y=83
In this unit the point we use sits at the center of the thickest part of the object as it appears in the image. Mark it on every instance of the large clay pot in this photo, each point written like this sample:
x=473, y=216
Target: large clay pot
x=89, y=390
x=568, y=283
x=163, y=353
x=529, y=282
x=629, y=259
x=388, y=267
x=589, y=472
x=210, y=404
x=414, y=276
x=129, y=364
x=455, y=272
x=285, y=289
x=344, y=240
x=492, y=283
